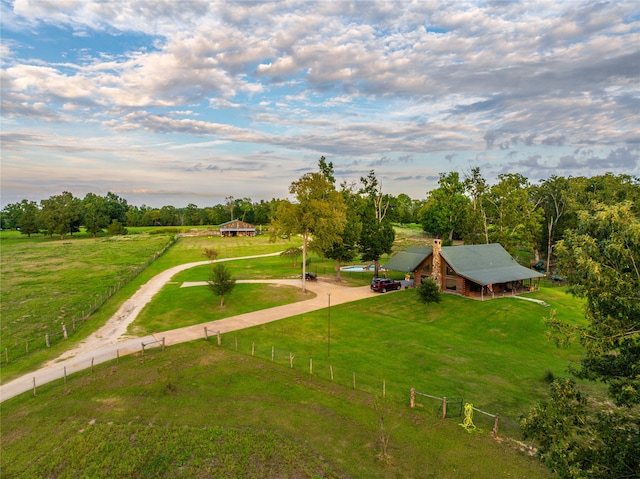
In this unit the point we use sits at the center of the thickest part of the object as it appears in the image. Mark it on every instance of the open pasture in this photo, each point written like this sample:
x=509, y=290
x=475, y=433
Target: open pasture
x=45, y=282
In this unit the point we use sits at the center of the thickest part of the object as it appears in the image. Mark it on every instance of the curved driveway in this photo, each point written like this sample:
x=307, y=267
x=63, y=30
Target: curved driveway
x=111, y=340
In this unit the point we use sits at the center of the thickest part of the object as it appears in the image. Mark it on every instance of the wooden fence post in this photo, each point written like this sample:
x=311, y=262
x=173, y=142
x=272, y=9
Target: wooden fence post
x=206, y=335
x=64, y=331
x=253, y=349
x=6, y=354
x=412, y=398
x=291, y=360
x=46, y=340
x=331, y=371
x=273, y=351
x=163, y=343
x=444, y=407
x=219, y=339
x=142, y=348
x=92, y=365
x=310, y=365
x=27, y=346
x=354, y=380
x=236, y=344
x=34, y=386
x=494, y=432
x=117, y=356
x=65, y=375
x=384, y=388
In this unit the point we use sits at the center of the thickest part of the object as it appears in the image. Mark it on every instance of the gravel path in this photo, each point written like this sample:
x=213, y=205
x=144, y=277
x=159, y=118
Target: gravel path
x=112, y=340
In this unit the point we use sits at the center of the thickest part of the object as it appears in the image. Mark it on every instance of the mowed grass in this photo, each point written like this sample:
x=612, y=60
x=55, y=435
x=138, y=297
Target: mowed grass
x=494, y=354
x=197, y=410
x=176, y=306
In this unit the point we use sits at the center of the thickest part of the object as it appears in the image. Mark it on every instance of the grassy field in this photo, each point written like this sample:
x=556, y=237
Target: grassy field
x=221, y=413
x=46, y=282
x=494, y=353
x=198, y=410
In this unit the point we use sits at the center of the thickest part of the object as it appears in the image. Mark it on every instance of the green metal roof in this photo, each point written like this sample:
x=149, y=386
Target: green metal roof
x=405, y=261
x=486, y=264
x=425, y=250
x=481, y=263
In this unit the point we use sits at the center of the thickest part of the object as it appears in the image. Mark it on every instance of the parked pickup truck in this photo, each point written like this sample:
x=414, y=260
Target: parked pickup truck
x=384, y=285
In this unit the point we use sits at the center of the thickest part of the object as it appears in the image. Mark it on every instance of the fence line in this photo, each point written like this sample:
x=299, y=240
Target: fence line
x=447, y=403
x=15, y=351
x=287, y=357
x=412, y=404
x=413, y=392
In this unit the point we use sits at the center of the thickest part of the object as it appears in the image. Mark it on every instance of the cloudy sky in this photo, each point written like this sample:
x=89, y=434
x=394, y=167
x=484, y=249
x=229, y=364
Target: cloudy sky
x=170, y=102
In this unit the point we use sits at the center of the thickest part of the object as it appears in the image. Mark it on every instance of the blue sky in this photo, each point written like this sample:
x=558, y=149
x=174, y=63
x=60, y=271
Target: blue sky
x=170, y=102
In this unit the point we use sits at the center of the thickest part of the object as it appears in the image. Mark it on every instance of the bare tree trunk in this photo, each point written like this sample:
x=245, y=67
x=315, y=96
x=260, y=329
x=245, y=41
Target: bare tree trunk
x=305, y=238
x=550, y=229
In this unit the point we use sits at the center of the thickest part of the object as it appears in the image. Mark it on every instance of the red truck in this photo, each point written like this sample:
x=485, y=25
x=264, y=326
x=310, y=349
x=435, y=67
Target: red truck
x=384, y=285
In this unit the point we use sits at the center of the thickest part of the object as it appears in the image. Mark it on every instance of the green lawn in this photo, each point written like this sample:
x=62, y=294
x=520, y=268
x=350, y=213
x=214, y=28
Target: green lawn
x=197, y=410
x=176, y=307
x=46, y=283
x=494, y=354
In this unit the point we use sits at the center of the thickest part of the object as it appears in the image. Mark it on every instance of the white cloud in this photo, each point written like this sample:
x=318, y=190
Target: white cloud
x=440, y=81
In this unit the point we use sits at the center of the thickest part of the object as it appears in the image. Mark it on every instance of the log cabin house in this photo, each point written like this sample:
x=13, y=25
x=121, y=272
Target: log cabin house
x=481, y=271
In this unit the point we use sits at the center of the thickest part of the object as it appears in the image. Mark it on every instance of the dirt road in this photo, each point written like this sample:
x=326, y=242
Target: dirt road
x=112, y=340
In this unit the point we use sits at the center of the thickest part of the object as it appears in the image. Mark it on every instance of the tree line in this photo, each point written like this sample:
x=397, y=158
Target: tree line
x=514, y=212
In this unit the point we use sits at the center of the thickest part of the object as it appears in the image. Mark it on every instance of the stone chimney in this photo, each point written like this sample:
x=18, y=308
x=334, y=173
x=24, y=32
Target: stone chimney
x=436, y=267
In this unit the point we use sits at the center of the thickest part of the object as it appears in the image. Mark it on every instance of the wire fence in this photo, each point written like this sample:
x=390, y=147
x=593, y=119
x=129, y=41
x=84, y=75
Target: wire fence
x=52, y=335
x=322, y=367
x=446, y=407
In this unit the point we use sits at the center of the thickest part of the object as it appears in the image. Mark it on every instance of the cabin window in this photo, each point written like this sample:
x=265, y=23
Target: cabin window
x=451, y=284
x=475, y=287
x=450, y=272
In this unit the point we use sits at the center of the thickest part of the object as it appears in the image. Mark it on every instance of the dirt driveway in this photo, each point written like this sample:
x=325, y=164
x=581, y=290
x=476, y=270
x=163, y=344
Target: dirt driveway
x=112, y=340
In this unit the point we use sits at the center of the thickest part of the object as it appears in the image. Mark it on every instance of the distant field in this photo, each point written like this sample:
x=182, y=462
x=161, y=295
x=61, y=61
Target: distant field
x=46, y=283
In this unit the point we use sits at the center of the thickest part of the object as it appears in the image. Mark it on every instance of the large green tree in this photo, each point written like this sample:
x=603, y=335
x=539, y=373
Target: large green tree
x=477, y=228
x=553, y=197
x=513, y=213
x=601, y=261
x=580, y=437
x=60, y=214
x=117, y=208
x=318, y=215
x=29, y=221
x=345, y=248
x=95, y=213
x=377, y=234
x=446, y=209
x=23, y=216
